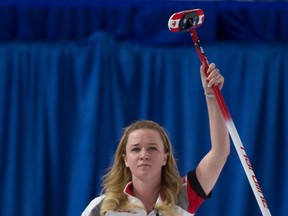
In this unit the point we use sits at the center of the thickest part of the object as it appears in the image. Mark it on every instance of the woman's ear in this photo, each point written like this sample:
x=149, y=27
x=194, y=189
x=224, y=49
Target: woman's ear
x=125, y=160
x=165, y=159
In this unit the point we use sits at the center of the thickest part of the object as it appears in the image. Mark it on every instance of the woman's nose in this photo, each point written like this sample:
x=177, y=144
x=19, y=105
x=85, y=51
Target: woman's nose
x=144, y=155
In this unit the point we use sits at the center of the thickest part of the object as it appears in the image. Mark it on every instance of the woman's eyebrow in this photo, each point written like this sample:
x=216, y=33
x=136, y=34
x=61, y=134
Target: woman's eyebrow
x=137, y=144
x=134, y=145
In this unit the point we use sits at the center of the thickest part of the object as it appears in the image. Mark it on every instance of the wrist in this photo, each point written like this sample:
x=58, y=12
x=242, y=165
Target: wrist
x=209, y=95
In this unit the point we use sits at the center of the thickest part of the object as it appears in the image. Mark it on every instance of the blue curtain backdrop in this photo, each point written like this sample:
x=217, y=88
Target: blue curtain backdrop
x=67, y=91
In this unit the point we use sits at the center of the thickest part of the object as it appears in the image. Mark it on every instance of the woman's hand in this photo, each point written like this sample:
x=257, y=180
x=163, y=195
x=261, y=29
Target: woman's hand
x=213, y=78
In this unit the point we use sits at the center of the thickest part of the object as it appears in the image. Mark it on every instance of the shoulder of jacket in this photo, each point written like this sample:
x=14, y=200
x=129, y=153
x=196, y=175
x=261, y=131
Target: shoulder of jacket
x=93, y=206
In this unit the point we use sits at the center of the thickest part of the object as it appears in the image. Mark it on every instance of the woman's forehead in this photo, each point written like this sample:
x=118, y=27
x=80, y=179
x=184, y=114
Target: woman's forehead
x=144, y=135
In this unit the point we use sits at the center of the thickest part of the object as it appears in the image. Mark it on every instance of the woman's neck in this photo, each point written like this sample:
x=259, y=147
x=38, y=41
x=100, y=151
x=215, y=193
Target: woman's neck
x=147, y=193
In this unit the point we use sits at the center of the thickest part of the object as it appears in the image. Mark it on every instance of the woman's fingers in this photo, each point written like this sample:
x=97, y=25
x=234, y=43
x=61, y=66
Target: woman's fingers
x=214, y=76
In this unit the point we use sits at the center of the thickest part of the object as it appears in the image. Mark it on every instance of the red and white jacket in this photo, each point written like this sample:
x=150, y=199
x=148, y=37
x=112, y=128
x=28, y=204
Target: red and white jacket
x=190, y=198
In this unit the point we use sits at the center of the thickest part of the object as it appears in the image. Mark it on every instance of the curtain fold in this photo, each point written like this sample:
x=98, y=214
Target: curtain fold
x=63, y=106
x=141, y=21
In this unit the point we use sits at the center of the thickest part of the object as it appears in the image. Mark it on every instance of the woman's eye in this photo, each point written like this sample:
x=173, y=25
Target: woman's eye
x=135, y=149
x=152, y=148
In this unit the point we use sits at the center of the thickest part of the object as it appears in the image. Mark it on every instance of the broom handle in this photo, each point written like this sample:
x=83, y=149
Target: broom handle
x=233, y=131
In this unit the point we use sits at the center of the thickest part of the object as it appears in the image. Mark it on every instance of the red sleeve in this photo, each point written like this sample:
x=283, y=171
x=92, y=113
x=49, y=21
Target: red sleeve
x=195, y=193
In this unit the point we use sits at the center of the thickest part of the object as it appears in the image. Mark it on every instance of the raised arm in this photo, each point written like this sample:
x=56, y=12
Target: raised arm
x=210, y=167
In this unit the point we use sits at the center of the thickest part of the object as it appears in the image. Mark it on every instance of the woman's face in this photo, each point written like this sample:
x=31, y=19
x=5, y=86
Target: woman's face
x=145, y=154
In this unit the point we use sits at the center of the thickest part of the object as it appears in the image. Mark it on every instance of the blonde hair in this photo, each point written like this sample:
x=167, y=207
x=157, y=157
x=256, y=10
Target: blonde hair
x=119, y=175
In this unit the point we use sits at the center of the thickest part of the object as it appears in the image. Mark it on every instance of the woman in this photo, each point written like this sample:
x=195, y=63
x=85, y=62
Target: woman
x=144, y=179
